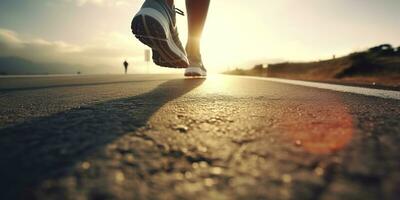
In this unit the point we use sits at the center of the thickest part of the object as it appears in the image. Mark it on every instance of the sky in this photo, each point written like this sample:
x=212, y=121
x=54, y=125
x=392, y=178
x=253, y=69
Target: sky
x=238, y=33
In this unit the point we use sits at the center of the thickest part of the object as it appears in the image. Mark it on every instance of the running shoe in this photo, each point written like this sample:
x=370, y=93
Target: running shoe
x=155, y=26
x=196, y=69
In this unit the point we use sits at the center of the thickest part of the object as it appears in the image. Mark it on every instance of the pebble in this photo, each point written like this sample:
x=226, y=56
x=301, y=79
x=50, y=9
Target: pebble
x=216, y=170
x=286, y=178
x=129, y=158
x=202, y=149
x=182, y=128
x=209, y=182
x=119, y=177
x=188, y=175
x=203, y=164
x=85, y=165
x=319, y=171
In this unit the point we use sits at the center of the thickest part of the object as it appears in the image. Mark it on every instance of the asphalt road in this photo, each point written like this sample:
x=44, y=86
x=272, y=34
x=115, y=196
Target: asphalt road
x=165, y=137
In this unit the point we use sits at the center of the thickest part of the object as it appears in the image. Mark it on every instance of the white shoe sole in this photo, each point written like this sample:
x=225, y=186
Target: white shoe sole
x=152, y=29
x=195, y=71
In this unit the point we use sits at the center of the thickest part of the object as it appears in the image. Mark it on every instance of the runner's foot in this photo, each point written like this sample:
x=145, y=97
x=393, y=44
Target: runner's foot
x=155, y=26
x=195, y=69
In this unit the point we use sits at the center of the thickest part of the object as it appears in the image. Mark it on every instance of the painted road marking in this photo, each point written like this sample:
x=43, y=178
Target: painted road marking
x=387, y=94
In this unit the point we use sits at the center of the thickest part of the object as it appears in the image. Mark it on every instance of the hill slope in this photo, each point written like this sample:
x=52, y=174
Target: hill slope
x=378, y=65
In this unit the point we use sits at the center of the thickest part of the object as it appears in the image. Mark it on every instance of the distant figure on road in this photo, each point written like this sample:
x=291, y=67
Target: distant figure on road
x=154, y=25
x=126, y=64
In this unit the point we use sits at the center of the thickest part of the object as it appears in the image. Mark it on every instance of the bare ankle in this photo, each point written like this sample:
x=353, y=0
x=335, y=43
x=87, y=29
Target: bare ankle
x=193, y=50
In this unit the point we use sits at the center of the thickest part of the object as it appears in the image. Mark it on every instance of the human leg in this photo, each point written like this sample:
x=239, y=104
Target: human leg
x=197, y=11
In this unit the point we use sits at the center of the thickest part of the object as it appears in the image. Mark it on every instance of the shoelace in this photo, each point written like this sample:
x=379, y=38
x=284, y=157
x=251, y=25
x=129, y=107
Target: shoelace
x=179, y=11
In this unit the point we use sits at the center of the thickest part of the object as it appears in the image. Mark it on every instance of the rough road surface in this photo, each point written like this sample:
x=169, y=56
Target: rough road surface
x=165, y=137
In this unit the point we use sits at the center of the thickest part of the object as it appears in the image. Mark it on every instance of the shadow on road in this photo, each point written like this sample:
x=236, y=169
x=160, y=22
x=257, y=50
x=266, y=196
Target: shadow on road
x=67, y=85
x=50, y=146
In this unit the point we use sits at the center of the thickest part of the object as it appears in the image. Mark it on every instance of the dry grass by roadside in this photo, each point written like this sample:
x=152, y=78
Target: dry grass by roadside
x=377, y=66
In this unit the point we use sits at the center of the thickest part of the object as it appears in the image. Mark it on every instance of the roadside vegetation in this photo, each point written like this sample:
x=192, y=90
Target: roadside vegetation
x=378, y=65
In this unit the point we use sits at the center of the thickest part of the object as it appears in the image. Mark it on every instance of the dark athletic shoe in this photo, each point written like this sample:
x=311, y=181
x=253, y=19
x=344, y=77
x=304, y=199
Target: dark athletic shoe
x=155, y=26
x=196, y=69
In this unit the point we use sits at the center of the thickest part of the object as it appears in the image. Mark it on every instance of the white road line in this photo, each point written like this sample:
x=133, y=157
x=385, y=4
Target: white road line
x=387, y=94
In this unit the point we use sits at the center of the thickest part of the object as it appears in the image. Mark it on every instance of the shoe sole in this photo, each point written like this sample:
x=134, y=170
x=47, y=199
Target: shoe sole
x=195, y=72
x=150, y=28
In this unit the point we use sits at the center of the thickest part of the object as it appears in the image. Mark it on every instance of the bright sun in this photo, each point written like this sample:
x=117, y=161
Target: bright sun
x=228, y=38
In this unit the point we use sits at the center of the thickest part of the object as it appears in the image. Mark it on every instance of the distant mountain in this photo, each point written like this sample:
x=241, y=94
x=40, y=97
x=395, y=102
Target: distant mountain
x=21, y=66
